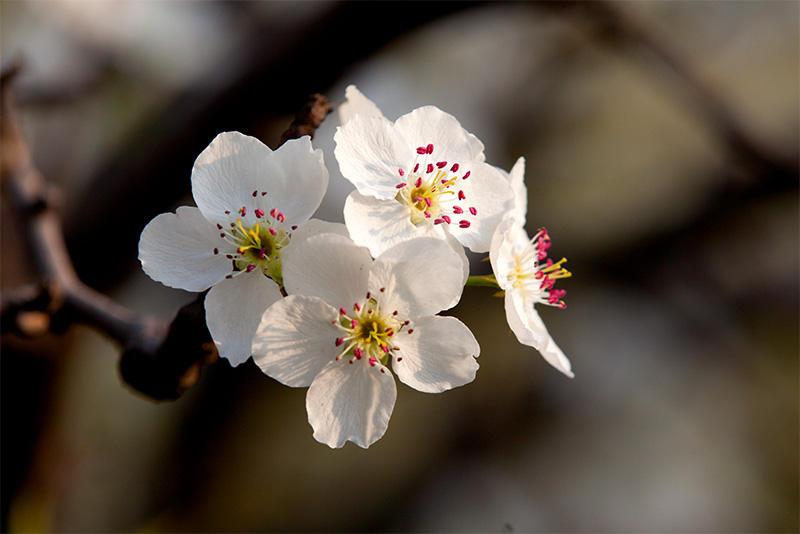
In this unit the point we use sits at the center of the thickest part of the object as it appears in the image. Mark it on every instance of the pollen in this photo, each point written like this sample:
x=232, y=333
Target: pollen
x=367, y=331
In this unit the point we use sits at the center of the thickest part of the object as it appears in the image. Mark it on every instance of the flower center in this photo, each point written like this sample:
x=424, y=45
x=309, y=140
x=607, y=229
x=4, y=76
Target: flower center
x=368, y=331
x=257, y=246
x=536, y=279
x=431, y=192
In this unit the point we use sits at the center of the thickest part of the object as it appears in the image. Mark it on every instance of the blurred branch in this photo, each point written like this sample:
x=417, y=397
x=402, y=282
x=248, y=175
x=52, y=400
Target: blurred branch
x=160, y=360
x=606, y=21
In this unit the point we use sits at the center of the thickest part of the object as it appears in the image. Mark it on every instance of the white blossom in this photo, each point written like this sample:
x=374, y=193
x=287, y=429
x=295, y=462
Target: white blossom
x=249, y=201
x=348, y=319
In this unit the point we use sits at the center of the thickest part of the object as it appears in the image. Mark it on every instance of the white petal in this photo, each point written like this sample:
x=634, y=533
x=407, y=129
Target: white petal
x=430, y=125
x=351, y=402
x=509, y=236
x=357, y=104
x=381, y=224
x=530, y=330
x=316, y=227
x=462, y=255
x=233, y=311
x=490, y=194
x=234, y=166
x=177, y=249
x=296, y=339
x=327, y=266
x=516, y=178
x=370, y=154
x=438, y=355
x=417, y=277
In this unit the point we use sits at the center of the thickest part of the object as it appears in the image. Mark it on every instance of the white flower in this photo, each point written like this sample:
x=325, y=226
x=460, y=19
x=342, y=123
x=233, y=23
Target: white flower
x=346, y=317
x=249, y=200
x=519, y=267
x=423, y=175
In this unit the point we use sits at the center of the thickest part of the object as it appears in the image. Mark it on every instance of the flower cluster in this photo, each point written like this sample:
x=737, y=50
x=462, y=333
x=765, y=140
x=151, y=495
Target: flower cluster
x=341, y=309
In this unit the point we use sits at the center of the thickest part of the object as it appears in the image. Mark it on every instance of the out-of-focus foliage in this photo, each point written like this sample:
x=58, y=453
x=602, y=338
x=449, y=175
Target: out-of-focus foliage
x=682, y=324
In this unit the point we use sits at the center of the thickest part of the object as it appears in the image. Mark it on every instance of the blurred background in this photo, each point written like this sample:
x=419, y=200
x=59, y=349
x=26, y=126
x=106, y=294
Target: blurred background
x=661, y=141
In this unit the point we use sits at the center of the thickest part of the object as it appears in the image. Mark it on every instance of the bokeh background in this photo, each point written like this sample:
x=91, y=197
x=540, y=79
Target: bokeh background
x=661, y=141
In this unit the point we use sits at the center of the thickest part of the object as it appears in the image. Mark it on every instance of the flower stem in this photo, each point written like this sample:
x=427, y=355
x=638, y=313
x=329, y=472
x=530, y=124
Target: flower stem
x=486, y=281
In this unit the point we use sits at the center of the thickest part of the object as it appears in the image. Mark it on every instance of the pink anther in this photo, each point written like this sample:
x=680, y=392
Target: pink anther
x=429, y=168
x=466, y=175
x=339, y=341
x=461, y=195
x=421, y=150
x=473, y=211
x=457, y=210
x=454, y=168
x=273, y=231
x=400, y=186
x=249, y=268
x=463, y=224
x=446, y=218
x=358, y=353
x=402, y=172
x=441, y=164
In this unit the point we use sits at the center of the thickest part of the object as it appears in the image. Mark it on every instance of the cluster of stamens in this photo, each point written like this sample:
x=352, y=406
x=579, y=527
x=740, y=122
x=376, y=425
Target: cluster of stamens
x=368, y=332
x=257, y=246
x=535, y=276
x=431, y=193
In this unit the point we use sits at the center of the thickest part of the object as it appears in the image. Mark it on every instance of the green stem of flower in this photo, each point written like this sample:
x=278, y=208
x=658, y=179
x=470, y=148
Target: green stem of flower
x=486, y=281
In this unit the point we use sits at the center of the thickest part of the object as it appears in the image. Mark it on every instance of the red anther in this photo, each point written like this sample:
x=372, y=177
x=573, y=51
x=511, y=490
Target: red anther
x=446, y=218
x=368, y=295
x=410, y=330
x=429, y=168
x=429, y=149
x=418, y=199
x=427, y=214
x=547, y=282
x=372, y=361
x=259, y=213
x=227, y=212
x=239, y=250
x=400, y=186
x=219, y=226
x=441, y=164
x=358, y=353
x=243, y=211
x=216, y=251
x=273, y=212
x=419, y=182
x=402, y=172
x=454, y=168
x=222, y=235
x=357, y=306
x=339, y=341
x=461, y=195
x=294, y=227
x=273, y=231
x=428, y=201
x=438, y=221
x=229, y=256
x=463, y=224
x=263, y=193
x=416, y=167
x=342, y=311
x=457, y=210
x=473, y=211
x=400, y=359
x=385, y=348
x=255, y=193
x=262, y=254
x=421, y=150
x=353, y=323
x=466, y=175
x=250, y=268
x=444, y=180
x=281, y=217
